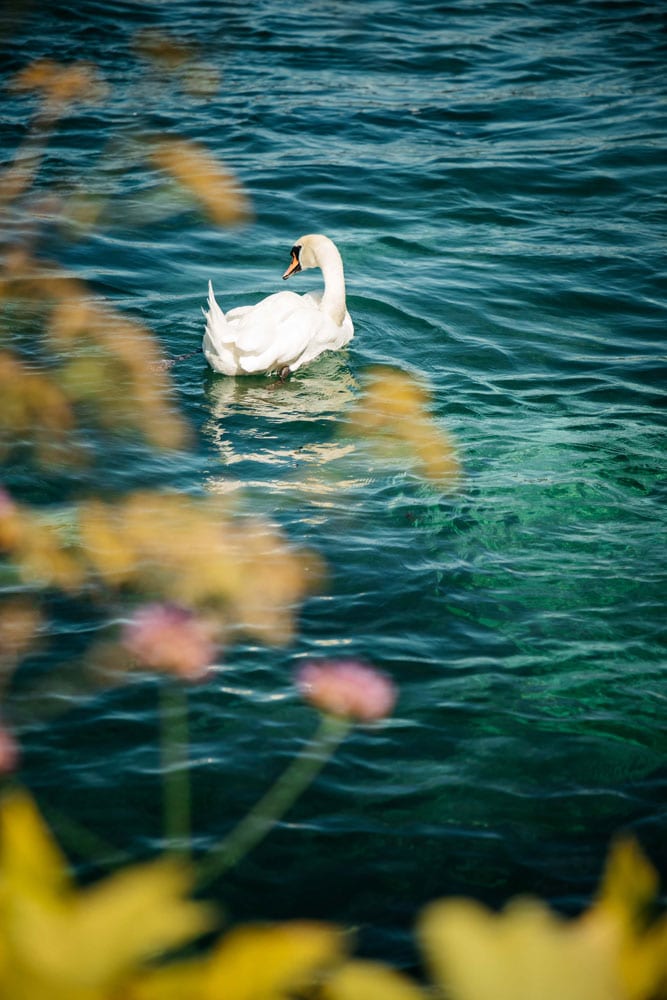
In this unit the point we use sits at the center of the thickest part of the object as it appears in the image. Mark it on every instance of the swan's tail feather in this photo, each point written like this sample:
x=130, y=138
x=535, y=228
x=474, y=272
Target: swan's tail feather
x=215, y=314
x=218, y=342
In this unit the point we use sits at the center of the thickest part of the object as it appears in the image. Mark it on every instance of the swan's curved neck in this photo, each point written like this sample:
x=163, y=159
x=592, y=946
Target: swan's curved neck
x=331, y=265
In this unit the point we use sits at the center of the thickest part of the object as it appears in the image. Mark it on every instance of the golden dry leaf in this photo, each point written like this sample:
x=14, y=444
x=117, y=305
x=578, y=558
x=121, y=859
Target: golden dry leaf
x=37, y=549
x=395, y=396
x=107, y=662
x=107, y=550
x=112, y=365
x=393, y=416
x=20, y=620
x=357, y=980
x=162, y=49
x=58, y=941
x=18, y=176
x=33, y=284
x=116, y=370
x=193, y=552
x=196, y=77
x=271, y=963
x=272, y=581
x=13, y=523
x=195, y=169
x=34, y=409
x=61, y=84
x=524, y=953
x=239, y=573
x=43, y=558
x=37, y=75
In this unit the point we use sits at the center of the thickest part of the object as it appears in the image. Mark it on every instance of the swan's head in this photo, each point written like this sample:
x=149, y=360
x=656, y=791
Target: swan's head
x=309, y=251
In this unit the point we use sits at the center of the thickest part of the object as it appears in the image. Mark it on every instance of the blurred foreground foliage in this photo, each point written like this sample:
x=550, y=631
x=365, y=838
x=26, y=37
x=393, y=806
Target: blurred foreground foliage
x=101, y=942
x=176, y=580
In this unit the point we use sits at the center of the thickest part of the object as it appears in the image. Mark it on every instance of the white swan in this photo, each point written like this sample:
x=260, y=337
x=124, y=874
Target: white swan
x=285, y=330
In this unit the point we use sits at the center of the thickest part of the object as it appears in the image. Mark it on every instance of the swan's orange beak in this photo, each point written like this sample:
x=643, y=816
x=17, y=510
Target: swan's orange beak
x=294, y=267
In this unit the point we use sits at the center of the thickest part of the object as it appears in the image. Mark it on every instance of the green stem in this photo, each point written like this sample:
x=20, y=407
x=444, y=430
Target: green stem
x=275, y=803
x=85, y=843
x=175, y=739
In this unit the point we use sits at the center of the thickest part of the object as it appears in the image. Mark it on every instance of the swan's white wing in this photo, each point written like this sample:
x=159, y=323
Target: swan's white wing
x=255, y=328
x=293, y=336
x=275, y=332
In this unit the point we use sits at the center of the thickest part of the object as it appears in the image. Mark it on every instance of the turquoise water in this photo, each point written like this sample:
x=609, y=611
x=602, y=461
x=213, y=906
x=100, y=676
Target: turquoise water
x=494, y=175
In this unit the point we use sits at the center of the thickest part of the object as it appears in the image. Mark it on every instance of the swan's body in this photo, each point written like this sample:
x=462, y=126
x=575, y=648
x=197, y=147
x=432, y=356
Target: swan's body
x=284, y=331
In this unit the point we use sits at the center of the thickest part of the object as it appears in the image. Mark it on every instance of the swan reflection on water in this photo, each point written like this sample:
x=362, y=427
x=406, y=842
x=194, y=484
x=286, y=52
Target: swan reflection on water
x=320, y=393
x=284, y=435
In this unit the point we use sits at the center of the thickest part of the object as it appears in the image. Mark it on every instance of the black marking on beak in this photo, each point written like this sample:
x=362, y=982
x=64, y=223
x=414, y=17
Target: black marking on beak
x=295, y=266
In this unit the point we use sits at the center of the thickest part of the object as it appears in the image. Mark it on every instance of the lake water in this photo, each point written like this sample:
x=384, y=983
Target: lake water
x=494, y=176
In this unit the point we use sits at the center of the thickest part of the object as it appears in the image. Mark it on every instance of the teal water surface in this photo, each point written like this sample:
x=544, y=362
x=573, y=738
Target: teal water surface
x=494, y=176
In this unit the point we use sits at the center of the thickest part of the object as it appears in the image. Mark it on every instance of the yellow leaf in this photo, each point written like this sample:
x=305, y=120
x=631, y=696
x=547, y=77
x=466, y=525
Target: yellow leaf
x=643, y=964
x=133, y=915
x=266, y=963
x=623, y=915
x=370, y=981
x=57, y=941
x=524, y=953
x=630, y=883
x=177, y=981
x=31, y=861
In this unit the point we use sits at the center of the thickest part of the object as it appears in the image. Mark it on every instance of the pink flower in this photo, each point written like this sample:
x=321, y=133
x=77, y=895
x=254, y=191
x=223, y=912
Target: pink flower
x=348, y=688
x=171, y=638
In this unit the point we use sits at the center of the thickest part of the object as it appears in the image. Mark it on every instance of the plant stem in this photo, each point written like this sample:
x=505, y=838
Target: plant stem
x=85, y=843
x=275, y=803
x=175, y=738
